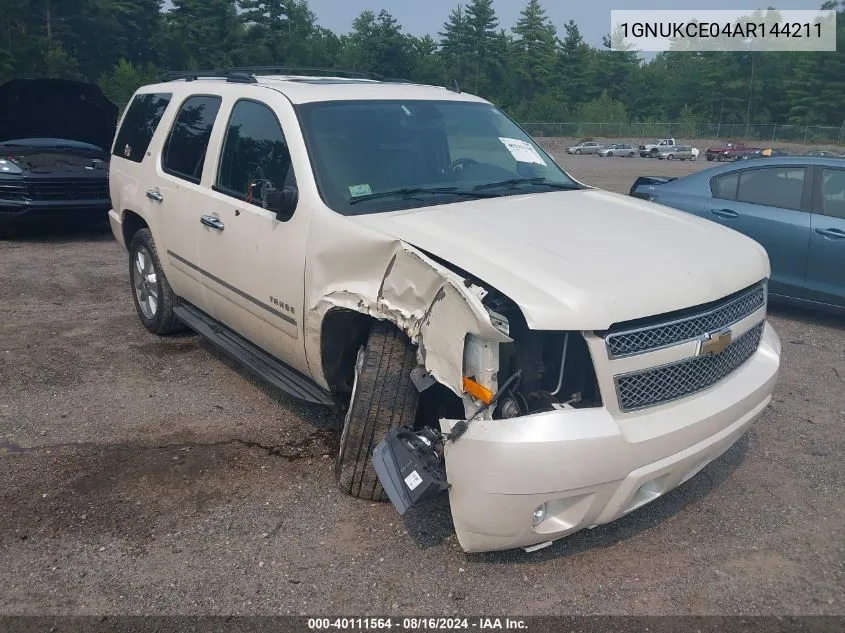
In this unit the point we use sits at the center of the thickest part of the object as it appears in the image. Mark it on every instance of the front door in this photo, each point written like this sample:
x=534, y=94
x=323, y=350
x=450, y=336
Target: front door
x=253, y=260
x=771, y=206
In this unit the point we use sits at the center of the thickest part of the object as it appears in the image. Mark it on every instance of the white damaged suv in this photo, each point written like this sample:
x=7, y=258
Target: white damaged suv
x=553, y=355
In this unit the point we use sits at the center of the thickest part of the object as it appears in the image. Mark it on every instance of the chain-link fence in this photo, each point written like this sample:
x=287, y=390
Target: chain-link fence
x=760, y=132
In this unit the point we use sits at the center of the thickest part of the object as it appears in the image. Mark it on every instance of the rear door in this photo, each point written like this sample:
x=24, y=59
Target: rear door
x=180, y=194
x=826, y=263
x=772, y=206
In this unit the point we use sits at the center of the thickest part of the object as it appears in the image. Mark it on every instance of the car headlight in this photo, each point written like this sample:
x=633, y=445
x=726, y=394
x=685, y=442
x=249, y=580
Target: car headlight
x=8, y=167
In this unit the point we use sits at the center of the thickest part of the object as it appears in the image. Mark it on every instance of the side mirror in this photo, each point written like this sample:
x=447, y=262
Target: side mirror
x=283, y=202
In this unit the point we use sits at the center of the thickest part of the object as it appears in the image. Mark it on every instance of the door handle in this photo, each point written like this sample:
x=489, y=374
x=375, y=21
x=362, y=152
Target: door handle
x=725, y=213
x=212, y=222
x=834, y=234
x=155, y=196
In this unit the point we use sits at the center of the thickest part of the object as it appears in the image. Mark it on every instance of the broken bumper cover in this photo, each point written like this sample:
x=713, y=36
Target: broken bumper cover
x=587, y=467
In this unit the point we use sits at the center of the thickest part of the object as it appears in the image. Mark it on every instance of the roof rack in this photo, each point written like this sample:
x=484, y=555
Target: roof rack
x=246, y=74
x=304, y=70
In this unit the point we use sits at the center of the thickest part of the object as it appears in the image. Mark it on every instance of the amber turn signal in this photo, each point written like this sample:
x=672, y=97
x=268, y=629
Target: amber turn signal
x=479, y=392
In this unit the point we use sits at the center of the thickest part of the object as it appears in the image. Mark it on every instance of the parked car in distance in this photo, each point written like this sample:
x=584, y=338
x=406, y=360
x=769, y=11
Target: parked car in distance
x=793, y=206
x=618, y=149
x=823, y=153
x=768, y=152
x=681, y=152
x=653, y=149
x=55, y=136
x=585, y=147
x=728, y=152
x=485, y=325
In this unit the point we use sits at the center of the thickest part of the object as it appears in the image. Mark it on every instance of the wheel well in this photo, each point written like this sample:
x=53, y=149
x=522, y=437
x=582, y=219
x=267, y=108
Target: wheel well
x=132, y=223
x=343, y=333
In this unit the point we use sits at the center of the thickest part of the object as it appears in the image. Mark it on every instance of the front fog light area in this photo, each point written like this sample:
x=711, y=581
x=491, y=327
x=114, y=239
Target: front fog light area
x=539, y=514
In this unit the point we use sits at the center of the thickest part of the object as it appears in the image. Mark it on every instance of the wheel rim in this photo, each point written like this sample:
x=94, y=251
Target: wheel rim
x=146, y=283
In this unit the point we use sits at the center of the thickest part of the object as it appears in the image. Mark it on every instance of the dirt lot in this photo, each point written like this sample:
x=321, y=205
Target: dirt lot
x=147, y=475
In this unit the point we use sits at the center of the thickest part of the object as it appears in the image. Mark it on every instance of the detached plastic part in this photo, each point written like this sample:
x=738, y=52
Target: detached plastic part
x=409, y=468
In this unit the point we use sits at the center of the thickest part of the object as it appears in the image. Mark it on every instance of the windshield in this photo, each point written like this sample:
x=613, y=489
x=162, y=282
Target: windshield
x=372, y=156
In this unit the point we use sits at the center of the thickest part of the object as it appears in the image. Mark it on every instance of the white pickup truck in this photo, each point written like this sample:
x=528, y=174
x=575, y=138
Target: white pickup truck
x=550, y=355
x=653, y=149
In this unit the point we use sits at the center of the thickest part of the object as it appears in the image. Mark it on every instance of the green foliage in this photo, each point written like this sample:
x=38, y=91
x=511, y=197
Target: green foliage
x=533, y=51
x=534, y=71
x=604, y=110
x=687, y=121
x=124, y=79
x=378, y=45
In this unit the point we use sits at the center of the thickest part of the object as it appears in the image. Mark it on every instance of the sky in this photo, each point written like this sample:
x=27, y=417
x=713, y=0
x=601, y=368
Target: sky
x=592, y=16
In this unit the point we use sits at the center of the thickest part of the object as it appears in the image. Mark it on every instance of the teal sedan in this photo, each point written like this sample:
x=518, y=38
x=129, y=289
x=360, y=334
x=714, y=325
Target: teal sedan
x=793, y=206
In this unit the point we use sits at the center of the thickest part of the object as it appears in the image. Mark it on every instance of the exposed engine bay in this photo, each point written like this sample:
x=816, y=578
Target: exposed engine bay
x=57, y=162
x=555, y=367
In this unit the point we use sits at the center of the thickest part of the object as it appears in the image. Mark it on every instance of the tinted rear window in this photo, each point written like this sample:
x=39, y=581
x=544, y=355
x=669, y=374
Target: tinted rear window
x=184, y=150
x=139, y=125
x=724, y=187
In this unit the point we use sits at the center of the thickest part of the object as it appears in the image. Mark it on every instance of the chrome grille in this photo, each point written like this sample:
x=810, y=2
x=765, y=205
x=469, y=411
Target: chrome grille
x=650, y=387
x=689, y=328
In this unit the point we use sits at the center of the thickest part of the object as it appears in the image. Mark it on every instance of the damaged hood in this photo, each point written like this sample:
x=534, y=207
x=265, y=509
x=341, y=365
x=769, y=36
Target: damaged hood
x=56, y=109
x=583, y=260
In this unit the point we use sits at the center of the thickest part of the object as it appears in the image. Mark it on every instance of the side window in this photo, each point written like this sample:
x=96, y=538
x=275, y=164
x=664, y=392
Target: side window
x=255, y=156
x=781, y=187
x=724, y=187
x=833, y=192
x=139, y=125
x=184, y=150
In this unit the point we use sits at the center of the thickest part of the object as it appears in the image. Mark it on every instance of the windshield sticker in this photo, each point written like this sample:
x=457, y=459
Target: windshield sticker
x=360, y=190
x=523, y=152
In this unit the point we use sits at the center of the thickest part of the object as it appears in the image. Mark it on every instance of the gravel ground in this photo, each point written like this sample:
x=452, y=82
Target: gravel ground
x=150, y=476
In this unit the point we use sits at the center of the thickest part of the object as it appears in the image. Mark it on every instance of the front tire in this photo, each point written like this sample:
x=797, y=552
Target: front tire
x=153, y=297
x=383, y=397
x=577, y=152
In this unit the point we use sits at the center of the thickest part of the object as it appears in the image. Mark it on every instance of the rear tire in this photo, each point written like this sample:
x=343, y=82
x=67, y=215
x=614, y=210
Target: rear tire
x=153, y=297
x=383, y=397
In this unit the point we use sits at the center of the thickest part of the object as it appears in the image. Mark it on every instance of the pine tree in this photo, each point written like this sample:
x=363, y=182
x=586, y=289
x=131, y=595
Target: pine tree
x=454, y=44
x=481, y=24
x=203, y=33
x=279, y=31
x=533, y=50
x=378, y=45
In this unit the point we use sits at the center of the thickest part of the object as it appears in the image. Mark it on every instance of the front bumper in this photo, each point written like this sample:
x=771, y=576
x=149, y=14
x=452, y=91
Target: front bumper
x=590, y=467
x=21, y=212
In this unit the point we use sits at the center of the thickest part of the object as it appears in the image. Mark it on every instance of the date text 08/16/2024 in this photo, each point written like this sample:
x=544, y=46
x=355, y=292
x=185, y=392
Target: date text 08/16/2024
x=417, y=624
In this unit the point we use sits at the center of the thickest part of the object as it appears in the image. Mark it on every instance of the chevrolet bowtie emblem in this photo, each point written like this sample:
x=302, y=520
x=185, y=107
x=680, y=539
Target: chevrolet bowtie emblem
x=714, y=343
